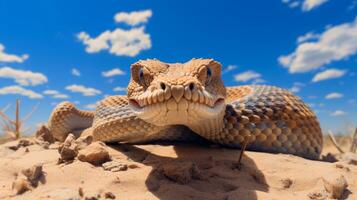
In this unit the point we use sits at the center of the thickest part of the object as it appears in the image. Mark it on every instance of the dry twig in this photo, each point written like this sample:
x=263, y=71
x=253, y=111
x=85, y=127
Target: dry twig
x=334, y=142
x=13, y=128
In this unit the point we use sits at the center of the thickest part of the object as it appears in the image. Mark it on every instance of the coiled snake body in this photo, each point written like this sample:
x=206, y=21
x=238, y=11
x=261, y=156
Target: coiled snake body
x=180, y=101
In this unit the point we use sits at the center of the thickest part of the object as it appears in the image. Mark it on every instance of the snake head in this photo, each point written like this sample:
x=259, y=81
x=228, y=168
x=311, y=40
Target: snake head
x=177, y=94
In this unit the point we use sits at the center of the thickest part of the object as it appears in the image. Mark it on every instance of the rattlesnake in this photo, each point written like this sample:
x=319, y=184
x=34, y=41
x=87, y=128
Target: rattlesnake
x=183, y=101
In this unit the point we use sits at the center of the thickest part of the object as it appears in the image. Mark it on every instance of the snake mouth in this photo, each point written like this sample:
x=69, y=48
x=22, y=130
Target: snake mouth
x=210, y=103
x=175, y=110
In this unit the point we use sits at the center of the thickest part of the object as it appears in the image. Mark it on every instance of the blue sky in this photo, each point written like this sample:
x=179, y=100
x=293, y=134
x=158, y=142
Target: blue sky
x=81, y=51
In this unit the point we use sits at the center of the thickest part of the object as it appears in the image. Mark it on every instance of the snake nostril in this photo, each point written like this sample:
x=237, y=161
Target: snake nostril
x=191, y=86
x=163, y=86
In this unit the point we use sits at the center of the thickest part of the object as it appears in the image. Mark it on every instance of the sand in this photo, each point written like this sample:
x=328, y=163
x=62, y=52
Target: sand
x=171, y=171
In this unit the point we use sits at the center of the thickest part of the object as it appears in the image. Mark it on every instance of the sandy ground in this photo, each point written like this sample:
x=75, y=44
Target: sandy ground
x=180, y=171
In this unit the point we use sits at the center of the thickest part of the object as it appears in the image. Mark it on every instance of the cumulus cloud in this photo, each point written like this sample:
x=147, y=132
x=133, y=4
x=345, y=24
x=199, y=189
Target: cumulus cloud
x=328, y=74
x=75, y=72
x=306, y=5
x=15, y=89
x=307, y=37
x=86, y=91
x=229, y=68
x=119, y=42
x=334, y=95
x=337, y=113
x=55, y=94
x=247, y=76
x=5, y=57
x=336, y=43
x=113, y=72
x=311, y=4
x=119, y=89
x=296, y=87
x=133, y=18
x=23, y=77
x=91, y=106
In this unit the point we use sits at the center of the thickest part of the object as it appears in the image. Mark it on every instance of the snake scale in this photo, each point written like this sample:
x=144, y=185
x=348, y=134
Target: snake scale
x=184, y=101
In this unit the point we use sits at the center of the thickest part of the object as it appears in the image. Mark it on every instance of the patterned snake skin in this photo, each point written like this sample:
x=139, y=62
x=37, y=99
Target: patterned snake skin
x=181, y=101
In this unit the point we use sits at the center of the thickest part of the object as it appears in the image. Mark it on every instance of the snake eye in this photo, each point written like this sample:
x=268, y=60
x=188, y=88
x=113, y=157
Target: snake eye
x=209, y=74
x=141, y=75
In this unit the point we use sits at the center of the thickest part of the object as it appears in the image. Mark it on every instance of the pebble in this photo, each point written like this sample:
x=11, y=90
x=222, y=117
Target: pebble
x=114, y=166
x=33, y=173
x=95, y=153
x=21, y=185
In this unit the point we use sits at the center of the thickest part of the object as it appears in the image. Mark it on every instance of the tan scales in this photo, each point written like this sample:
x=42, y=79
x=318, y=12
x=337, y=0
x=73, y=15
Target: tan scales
x=183, y=101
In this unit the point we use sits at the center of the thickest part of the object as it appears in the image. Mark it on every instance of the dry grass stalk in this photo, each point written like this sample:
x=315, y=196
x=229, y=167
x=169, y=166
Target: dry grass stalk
x=353, y=142
x=14, y=128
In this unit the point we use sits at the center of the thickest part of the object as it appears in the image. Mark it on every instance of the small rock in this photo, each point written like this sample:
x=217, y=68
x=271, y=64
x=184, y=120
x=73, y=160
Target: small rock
x=329, y=158
x=95, y=154
x=181, y=172
x=317, y=195
x=335, y=185
x=341, y=166
x=25, y=142
x=21, y=143
x=286, y=183
x=33, y=174
x=350, y=158
x=92, y=196
x=68, y=149
x=109, y=195
x=133, y=166
x=43, y=133
x=80, y=192
x=115, y=166
x=21, y=185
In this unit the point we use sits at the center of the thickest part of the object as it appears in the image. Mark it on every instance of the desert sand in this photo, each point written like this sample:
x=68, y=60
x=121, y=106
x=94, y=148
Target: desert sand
x=165, y=171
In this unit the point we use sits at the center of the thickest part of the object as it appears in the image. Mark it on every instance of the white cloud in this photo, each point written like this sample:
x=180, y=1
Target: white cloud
x=119, y=42
x=20, y=91
x=4, y=57
x=296, y=87
x=338, y=113
x=75, y=72
x=307, y=37
x=311, y=4
x=91, y=106
x=133, y=18
x=334, y=95
x=328, y=74
x=55, y=94
x=113, y=72
x=336, y=43
x=229, y=68
x=60, y=96
x=23, y=77
x=247, y=76
x=50, y=92
x=86, y=91
x=306, y=5
x=119, y=89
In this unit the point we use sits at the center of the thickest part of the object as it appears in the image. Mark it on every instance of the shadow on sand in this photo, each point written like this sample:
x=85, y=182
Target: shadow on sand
x=198, y=171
